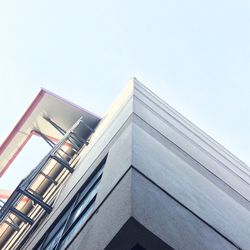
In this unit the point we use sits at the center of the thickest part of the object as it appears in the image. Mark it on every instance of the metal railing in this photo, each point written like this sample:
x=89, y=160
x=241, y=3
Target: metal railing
x=62, y=159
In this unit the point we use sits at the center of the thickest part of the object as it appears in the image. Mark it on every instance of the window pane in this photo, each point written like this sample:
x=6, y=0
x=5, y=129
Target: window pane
x=76, y=227
x=55, y=240
x=55, y=230
x=93, y=180
x=83, y=204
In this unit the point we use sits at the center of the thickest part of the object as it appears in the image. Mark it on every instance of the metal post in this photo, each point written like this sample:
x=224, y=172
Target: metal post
x=36, y=200
x=50, y=142
x=87, y=126
x=49, y=178
x=63, y=163
x=56, y=126
x=12, y=224
x=22, y=216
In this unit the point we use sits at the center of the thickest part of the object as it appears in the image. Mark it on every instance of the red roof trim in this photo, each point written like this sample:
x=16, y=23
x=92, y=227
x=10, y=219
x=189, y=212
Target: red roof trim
x=22, y=121
x=15, y=155
x=19, y=124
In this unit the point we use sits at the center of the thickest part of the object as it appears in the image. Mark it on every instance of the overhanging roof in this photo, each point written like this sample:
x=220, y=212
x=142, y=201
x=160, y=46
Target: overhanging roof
x=45, y=104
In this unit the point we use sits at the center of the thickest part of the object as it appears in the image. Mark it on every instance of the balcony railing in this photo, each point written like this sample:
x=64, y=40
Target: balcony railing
x=37, y=188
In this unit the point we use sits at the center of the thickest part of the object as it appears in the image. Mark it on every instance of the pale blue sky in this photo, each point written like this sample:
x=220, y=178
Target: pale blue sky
x=193, y=54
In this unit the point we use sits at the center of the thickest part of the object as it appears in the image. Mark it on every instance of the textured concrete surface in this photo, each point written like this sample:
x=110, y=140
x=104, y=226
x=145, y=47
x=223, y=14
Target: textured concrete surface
x=169, y=220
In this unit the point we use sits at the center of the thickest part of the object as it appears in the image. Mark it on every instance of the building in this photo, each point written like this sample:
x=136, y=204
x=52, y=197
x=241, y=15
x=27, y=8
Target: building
x=142, y=177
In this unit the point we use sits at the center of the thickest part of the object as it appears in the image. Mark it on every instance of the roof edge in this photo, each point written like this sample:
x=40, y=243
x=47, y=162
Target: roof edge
x=69, y=102
x=22, y=120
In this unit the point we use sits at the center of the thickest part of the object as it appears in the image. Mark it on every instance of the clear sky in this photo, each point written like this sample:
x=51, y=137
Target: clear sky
x=194, y=54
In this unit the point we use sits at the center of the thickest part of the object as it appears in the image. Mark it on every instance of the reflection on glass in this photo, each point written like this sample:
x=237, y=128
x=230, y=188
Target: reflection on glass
x=77, y=226
x=55, y=240
x=84, y=203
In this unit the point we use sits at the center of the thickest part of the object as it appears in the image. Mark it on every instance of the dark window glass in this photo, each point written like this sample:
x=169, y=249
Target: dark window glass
x=82, y=204
x=56, y=232
x=76, y=227
x=55, y=240
x=138, y=247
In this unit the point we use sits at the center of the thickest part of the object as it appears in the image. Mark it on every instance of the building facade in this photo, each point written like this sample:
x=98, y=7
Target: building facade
x=142, y=177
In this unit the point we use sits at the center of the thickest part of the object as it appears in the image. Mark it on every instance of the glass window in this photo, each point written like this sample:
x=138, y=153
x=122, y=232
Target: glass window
x=73, y=231
x=57, y=230
x=93, y=180
x=83, y=203
x=53, y=242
